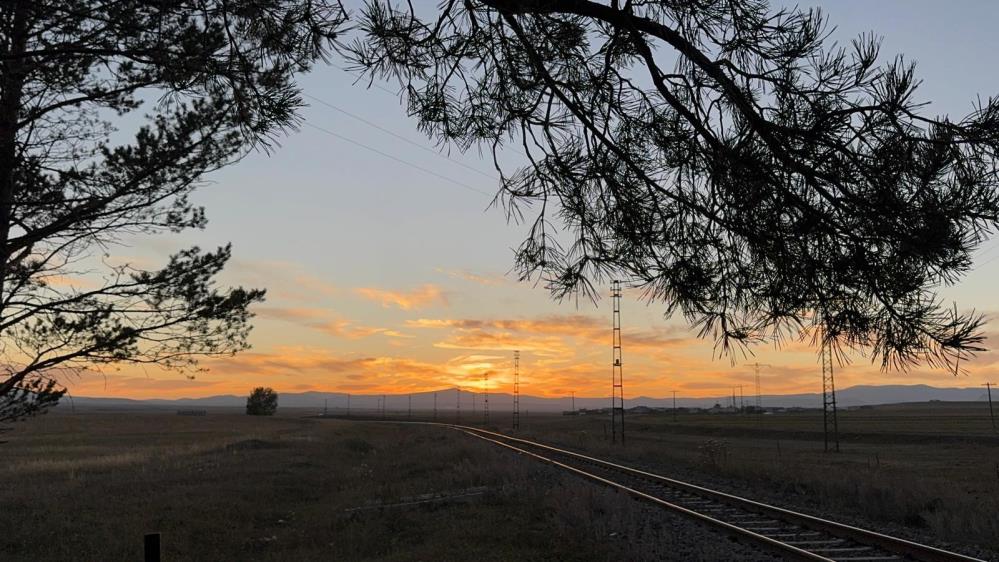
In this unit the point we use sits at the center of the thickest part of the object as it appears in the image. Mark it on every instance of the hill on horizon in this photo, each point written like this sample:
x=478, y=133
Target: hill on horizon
x=448, y=400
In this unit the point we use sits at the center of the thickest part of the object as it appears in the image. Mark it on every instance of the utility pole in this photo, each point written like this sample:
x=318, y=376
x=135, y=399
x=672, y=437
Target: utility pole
x=485, y=397
x=759, y=399
x=742, y=401
x=829, y=398
x=674, y=406
x=735, y=405
x=516, y=389
x=617, y=372
x=992, y=414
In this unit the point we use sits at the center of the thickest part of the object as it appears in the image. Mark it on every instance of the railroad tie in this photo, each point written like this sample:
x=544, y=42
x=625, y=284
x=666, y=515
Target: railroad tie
x=796, y=534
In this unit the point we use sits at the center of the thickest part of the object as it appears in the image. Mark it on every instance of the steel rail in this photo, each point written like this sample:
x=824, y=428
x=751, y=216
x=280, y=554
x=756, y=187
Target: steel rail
x=775, y=546
x=895, y=545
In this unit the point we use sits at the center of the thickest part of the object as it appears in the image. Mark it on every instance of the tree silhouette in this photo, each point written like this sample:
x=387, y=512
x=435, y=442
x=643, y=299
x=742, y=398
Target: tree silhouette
x=721, y=155
x=215, y=80
x=262, y=402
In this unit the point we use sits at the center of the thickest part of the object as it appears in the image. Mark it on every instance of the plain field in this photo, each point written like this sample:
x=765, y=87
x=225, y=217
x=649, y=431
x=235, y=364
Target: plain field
x=228, y=486
x=232, y=487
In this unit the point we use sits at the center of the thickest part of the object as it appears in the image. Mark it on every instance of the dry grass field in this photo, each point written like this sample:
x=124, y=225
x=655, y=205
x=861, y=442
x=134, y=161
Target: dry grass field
x=928, y=471
x=225, y=486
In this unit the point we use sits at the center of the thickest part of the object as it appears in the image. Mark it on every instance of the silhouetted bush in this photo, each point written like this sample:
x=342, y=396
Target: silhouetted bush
x=262, y=402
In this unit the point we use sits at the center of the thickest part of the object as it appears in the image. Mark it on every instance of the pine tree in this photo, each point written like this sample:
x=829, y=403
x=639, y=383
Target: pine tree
x=214, y=79
x=723, y=156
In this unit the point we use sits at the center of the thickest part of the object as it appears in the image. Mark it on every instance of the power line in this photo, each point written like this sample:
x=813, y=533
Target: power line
x=446, y=157
x=986, y=262
x=398, y=136
x=397, y=159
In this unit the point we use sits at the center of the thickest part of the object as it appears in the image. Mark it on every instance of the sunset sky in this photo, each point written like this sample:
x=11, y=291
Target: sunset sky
x=383, y=277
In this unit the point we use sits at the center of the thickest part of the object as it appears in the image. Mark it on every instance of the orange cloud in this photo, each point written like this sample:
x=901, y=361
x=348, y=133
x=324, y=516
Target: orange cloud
x=420, y=297
x=477, y=334
x=289, y=314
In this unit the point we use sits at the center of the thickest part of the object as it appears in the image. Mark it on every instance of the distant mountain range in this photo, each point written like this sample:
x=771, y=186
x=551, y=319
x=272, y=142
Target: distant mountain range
x=447, y=400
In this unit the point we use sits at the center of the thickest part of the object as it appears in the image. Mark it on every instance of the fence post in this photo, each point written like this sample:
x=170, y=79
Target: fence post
x=152, y=547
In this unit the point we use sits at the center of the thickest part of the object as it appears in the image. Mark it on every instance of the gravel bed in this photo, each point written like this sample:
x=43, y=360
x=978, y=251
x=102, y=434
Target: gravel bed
x=806, y=504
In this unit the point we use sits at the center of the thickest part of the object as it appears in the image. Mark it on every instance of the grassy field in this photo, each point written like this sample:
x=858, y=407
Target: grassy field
x=927, y=470
x=225, y=486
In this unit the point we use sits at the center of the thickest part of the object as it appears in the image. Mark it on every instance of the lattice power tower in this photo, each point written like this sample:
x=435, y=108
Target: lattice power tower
x=759, y=399
x=829, y=398
x=617, y=373
x=516, y=389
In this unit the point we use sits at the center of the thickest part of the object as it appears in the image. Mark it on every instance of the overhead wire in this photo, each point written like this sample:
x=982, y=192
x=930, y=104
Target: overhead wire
x=398, y=136
x=397, y=159
x=459, y=163
x=392, y=157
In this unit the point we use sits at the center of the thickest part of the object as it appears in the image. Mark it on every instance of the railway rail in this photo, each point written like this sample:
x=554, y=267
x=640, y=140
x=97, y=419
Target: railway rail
x=782, y=532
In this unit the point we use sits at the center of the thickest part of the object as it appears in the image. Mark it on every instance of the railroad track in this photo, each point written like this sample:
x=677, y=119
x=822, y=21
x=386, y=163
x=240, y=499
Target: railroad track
x=785, y=533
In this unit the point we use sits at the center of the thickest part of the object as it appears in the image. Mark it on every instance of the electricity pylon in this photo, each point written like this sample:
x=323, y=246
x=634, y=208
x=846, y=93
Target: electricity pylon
x=829, y=399
x=756, y=368
x=617, y=373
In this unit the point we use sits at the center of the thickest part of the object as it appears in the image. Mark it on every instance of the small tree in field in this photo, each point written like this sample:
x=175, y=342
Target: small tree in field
x=261, y=402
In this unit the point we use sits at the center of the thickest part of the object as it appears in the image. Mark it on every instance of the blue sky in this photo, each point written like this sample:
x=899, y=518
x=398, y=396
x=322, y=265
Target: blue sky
x=321, y=220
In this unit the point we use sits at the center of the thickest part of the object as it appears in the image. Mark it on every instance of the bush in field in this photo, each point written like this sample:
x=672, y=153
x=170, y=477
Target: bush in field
x=261, y=402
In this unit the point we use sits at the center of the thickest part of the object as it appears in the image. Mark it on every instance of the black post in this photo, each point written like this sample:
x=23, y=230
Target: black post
x=151, y=546
x=992, y=414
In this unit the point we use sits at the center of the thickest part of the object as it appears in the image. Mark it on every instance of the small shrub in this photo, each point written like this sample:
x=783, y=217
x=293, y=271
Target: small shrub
x=262, y=402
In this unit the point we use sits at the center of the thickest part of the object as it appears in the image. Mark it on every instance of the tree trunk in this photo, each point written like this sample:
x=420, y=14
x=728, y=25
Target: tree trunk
x=14, y=69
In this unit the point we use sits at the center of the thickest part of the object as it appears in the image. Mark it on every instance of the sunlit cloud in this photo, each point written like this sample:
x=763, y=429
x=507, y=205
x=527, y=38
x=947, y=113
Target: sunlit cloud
x=536, y=334
x=290, y=314
x=560, y=354
x=420, y=297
